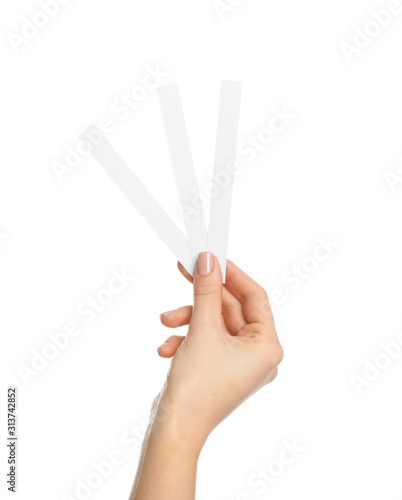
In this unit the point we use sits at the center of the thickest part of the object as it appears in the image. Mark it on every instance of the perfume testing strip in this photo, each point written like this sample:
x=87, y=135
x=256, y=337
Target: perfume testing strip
x=225, y=158
x=183, y=167
x=143, y=201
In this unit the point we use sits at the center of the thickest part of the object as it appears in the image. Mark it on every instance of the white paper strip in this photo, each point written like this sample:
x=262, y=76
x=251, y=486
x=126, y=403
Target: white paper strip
x=225, y=157
x=183, y=167
x=142, y=200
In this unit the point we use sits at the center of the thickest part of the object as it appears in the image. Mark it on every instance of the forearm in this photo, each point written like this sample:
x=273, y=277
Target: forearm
x=168, y=464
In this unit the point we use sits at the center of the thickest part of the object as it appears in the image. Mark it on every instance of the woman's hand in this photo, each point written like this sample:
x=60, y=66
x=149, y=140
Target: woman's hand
x=231, y=350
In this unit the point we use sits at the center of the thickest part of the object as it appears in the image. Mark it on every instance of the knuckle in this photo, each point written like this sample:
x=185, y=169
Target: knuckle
x=204, y=291
x=278, y=354
x=264, y=294
x=260, y=293
x=274, y=355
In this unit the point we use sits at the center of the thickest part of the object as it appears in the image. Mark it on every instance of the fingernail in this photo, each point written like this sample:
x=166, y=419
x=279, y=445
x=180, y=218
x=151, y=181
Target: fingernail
x=163, y=345
x=205, y=263
x=167, y=313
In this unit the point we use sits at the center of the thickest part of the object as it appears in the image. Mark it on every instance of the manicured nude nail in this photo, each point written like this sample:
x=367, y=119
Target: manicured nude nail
x=205, y=263
x=168, y=313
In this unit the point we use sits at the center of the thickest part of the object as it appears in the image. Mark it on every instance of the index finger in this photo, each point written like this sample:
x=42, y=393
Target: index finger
x=252, y=296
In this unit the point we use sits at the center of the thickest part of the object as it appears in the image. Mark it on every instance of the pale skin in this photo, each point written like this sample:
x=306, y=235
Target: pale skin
x=231, y=350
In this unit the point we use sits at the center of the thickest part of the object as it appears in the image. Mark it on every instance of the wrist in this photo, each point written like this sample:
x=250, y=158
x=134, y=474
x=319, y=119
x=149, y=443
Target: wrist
x=171, y=425
x=171, y=455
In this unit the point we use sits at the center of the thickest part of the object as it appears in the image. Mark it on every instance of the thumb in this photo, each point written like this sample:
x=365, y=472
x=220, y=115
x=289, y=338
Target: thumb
x=208, y=289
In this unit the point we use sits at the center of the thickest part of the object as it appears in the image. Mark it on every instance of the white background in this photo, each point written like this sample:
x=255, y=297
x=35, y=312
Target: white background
x=323, y=176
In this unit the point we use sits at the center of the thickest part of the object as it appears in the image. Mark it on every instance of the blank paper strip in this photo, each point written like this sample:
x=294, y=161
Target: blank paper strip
x=225, y=156
x=143, y=201
x=183, y=167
